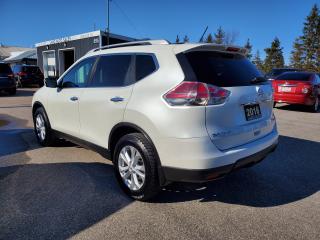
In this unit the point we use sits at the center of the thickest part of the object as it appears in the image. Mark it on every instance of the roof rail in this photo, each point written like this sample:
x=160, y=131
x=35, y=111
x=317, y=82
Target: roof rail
x=134, y=43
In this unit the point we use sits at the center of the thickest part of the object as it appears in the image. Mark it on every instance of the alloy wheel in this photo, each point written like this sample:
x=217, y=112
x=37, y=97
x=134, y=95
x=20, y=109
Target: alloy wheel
x=131, y=168
x=40, y=127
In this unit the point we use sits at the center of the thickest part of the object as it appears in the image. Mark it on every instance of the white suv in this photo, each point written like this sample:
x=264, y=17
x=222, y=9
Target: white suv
x=162, y=112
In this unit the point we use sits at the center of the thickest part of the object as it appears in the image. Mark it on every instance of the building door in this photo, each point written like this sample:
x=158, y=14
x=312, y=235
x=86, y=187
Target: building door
x=66, y=59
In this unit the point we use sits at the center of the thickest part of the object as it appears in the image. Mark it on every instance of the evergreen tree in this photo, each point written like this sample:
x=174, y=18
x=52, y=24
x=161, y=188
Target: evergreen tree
x=248, y=46
x=296, y=59
x=177, y=39
x=257, y=61
x=274, y=56
x=219, y=36
x=310, y=39
x=209, y=38
x=186, y=39
x=318, y=44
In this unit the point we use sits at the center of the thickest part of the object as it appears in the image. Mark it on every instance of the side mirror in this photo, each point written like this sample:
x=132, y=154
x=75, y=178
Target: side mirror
x=51, y=82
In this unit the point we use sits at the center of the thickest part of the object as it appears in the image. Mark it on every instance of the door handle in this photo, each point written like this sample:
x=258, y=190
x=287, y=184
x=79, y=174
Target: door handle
x=117, y=99
x=74, y=98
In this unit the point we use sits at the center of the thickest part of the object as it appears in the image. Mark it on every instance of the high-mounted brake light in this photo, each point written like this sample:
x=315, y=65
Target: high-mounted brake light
x=233, y=49
x=196, y=94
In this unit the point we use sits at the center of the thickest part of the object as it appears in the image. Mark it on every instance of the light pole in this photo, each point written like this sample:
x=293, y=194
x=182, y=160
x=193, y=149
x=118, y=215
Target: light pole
x=108, y=22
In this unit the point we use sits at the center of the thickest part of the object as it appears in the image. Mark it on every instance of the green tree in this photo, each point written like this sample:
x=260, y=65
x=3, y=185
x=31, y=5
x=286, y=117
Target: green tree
x=177, y=39
x=209, y=38
x=186, y=39
x=310, y=40
x=248, y=46
x=258, y=61
x=296, y=59
x=219, y=36
x=274, y=56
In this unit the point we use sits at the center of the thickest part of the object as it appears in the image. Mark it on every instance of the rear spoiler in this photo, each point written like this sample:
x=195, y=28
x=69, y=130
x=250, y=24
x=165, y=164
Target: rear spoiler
x=211, y=47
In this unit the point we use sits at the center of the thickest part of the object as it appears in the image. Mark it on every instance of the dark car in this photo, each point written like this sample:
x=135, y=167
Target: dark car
x=7, y=82
x=277, y=71
x=28, y=75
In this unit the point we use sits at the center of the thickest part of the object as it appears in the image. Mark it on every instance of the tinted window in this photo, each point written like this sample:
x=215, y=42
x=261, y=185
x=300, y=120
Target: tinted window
x=222, y=69
x=31, y=69
x=298, y=76
x=113, y=71
x=144, y=66
x=79, y=75
x=5, y=68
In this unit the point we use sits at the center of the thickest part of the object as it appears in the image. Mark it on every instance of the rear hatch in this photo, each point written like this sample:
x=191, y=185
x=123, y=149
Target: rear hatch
x=32, y=72
x=6, y=75
x=292, y=83
x=247, y=113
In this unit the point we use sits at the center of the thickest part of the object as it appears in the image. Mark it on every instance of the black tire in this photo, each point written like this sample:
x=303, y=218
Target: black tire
x=274, y=104
x=316, y=106
x=12, y=91
x=40, y=84
x=151, y=184
x=49, y=138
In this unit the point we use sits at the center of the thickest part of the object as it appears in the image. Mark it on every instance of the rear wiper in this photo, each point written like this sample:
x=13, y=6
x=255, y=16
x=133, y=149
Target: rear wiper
x=258, y=80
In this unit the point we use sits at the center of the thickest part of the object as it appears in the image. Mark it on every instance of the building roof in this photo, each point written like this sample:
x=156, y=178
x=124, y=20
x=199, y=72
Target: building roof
x=18, y=56
x=5, y=51
x=82, y=36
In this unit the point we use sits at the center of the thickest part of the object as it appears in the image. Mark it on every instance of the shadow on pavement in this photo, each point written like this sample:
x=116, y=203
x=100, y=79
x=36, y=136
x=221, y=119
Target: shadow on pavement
x=21, y=92
x=295, y=108
x=289, y=174
x=58, y=200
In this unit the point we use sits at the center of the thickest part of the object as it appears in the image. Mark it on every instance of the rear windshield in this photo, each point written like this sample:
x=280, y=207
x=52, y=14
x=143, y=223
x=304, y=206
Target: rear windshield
x=222, y=69
x=277, y=72
x=5, y=69
x=294, y=76
x=31, y=69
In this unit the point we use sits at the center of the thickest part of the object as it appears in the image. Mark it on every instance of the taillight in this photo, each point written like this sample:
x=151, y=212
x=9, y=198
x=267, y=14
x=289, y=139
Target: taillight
x=21, y=74
x=196, y=94
x=306, y=89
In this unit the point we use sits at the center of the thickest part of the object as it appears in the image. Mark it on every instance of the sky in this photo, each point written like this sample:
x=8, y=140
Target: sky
x=26, y=22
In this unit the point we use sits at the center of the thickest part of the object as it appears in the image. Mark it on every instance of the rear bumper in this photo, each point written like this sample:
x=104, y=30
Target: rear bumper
x=199, y=160
x=187, y=175
x=293, y=99
x=7, y=85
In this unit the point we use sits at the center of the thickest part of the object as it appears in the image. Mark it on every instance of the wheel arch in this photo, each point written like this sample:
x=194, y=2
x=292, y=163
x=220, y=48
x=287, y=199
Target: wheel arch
x=124, y=128
x=35, y=106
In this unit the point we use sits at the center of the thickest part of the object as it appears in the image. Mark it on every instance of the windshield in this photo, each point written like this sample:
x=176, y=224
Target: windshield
x=31, y=69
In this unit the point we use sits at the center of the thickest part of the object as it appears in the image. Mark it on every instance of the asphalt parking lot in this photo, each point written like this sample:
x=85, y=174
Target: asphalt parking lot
x=70, y=192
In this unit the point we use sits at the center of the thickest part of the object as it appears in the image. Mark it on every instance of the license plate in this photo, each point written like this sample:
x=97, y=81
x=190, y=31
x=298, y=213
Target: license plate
x=252, y=111
x=284, y=89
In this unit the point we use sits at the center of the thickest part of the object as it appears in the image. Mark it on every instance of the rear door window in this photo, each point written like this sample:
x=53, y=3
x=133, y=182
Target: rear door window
x=145, y=65
x=222, y=69
x=113, y=71
x=295, y=76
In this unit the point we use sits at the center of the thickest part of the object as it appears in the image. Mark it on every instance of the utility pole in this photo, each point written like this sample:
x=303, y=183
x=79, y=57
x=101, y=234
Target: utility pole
x=108, y=22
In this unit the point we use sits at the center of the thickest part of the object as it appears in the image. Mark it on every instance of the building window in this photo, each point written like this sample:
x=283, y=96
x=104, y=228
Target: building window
x=49, y=64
